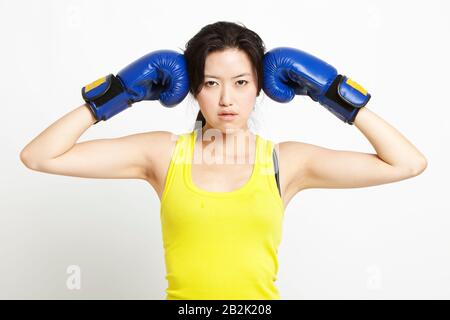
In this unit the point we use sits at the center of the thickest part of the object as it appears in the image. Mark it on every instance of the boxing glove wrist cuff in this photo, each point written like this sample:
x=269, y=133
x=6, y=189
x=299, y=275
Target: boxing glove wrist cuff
x=344, y=98
x=106, y=97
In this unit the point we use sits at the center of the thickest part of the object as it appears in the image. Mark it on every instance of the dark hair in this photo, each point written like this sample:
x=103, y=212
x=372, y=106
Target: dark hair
x=219, y=36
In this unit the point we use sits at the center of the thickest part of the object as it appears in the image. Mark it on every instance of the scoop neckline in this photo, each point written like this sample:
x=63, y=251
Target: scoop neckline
x=194, y=187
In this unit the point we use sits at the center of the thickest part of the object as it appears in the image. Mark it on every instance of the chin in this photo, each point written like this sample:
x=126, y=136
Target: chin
x=230, y=128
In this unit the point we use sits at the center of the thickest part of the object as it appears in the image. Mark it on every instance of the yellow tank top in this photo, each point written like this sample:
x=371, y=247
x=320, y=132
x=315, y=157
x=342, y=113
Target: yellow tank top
x=221, y=245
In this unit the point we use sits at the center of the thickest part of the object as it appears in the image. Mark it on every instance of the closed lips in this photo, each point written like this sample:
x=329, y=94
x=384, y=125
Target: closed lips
x=227, y=113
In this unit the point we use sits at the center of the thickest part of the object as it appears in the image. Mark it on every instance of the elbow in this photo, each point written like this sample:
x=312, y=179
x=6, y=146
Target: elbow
x=27, y=160
x=419, y=167
x=24, y=158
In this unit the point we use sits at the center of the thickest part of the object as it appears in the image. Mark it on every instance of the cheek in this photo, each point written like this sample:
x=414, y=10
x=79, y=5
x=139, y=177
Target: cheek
x=208, y=96
x=249, y=99
x=206, y=105
x=248, y=102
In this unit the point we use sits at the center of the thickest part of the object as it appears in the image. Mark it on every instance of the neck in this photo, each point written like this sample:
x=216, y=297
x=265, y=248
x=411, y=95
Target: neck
x=229, y=135
x=232, y=144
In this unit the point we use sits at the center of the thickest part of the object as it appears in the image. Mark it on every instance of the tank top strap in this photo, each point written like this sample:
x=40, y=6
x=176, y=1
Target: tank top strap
x=267, y=170
x=177, y=162
x=265, y=157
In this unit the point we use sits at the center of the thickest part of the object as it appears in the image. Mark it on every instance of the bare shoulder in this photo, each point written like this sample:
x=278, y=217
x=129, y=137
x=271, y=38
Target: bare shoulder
x=160, y=145
x=160, y=149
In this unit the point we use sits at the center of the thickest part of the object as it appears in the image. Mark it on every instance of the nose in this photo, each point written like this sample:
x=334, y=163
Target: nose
x=225, y=97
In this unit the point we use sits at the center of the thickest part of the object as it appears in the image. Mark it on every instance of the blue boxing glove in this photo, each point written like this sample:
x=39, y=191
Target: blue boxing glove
x=160, y=75
x=289, y=72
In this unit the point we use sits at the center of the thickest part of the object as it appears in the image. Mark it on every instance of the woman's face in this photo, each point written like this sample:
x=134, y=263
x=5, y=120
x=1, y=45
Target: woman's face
x=230, y=84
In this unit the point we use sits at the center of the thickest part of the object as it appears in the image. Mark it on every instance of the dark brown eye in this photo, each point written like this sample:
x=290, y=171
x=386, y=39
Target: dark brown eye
x=208, y=82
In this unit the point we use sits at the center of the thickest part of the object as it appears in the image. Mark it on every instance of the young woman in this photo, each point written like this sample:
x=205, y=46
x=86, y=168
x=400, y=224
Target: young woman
x=223, y=188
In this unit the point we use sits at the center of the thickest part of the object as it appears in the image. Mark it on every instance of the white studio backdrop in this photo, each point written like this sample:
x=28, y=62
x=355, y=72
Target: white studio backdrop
x=385, y=242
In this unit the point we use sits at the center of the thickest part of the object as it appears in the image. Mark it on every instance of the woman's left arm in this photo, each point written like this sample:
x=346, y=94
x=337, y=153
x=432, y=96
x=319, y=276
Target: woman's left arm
x=289, y=72
x=311, y=166
x=391, y=146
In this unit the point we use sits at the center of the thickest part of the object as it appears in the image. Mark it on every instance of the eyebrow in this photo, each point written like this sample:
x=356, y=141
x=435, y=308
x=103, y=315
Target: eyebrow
x=215, y=77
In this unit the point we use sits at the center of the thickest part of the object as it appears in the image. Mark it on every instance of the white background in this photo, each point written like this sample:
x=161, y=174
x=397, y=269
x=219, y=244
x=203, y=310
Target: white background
x=385, y=242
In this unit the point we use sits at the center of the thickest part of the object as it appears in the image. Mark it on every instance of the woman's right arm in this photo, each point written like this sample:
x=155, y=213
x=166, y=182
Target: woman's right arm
x=55, y=150
x=159, y=75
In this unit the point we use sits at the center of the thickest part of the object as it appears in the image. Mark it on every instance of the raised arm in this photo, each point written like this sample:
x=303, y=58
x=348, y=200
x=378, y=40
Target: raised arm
x=58, y=138
x=55, y=150
x=160, y=75
x=317, y=167
x=290, y=72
